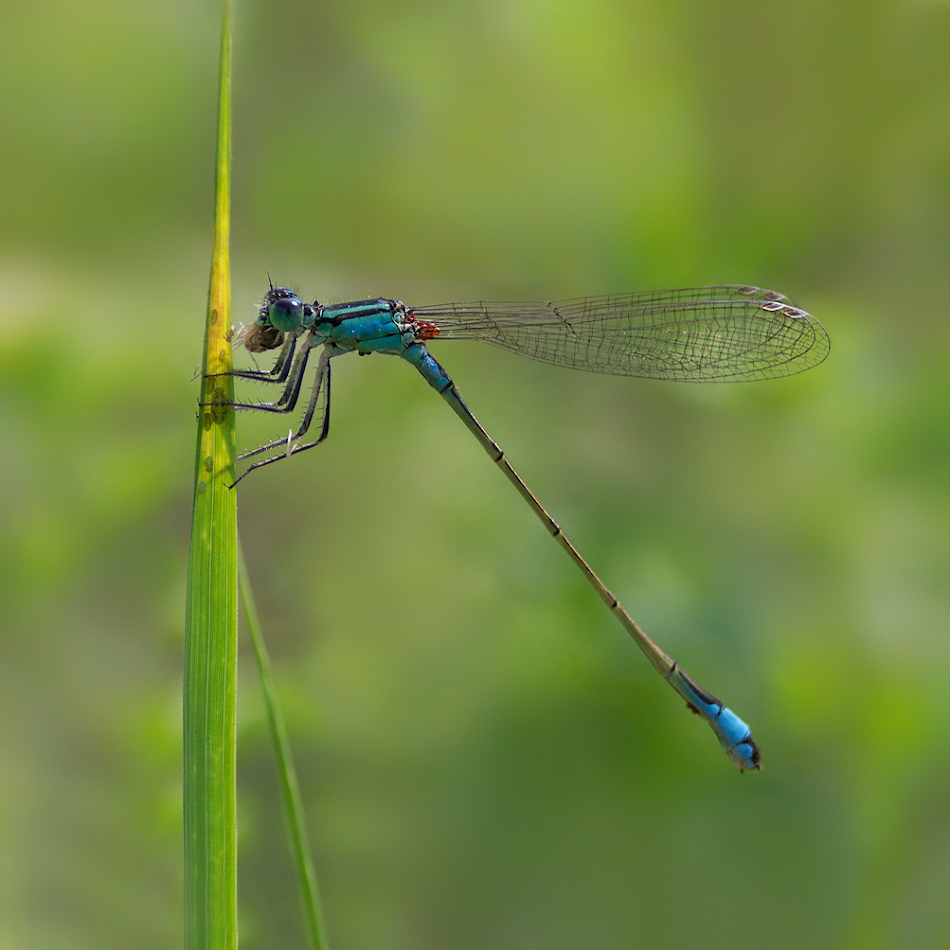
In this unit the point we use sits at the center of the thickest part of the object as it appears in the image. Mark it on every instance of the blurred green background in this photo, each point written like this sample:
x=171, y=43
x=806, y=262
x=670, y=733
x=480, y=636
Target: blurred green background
x=487, y=761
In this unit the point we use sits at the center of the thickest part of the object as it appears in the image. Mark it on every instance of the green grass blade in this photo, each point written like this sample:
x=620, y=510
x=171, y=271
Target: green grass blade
x=211, y=609
x=293, y=804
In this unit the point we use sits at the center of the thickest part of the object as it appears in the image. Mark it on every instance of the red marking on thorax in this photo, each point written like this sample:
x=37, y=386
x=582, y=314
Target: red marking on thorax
x=425, y=329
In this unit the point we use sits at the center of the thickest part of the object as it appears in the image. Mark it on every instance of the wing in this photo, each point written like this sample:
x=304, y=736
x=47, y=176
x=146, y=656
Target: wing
x=717, y=334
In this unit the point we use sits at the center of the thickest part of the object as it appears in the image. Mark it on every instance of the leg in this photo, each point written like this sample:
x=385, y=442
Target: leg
x=278, y=373
x=288, y=398
x=290, y=445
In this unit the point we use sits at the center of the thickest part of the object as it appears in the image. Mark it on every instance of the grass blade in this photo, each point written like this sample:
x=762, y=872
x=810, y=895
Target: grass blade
x=211, y=609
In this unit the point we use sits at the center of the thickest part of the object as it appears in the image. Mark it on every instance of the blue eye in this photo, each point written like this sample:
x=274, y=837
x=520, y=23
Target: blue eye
x=284, y=310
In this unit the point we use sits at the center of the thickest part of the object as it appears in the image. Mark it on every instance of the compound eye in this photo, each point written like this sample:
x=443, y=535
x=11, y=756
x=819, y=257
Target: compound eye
x=284, y=310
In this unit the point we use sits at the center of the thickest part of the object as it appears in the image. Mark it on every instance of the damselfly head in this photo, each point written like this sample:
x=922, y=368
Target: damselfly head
x=283, y=310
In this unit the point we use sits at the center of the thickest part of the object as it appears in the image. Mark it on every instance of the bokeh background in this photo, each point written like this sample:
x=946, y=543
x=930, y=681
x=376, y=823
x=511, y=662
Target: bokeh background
x=486, y=760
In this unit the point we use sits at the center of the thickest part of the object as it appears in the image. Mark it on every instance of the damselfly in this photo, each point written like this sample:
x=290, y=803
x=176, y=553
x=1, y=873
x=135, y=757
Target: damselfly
x=710, y=334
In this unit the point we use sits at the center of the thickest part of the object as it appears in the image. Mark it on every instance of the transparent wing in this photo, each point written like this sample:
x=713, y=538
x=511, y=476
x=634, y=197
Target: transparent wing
x=728, y=333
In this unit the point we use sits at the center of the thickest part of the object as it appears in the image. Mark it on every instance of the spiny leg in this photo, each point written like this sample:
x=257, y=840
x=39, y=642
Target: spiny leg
x=291, y=444
x=278, y=372
x=288, y=398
